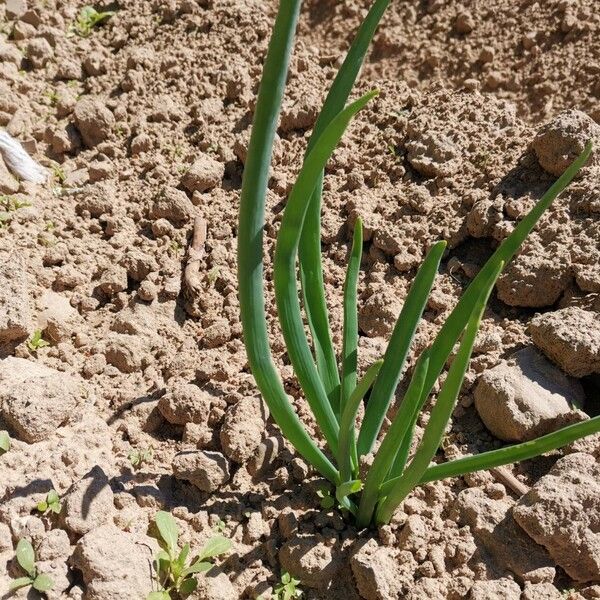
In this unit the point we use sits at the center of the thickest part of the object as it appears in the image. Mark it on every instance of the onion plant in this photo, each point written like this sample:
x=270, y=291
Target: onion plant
x=333, y=391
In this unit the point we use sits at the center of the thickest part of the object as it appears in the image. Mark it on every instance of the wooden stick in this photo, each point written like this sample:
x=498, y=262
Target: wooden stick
x=191, y=274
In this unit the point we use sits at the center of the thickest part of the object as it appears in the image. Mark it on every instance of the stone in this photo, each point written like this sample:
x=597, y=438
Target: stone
x=214, y=585
x=39, y=52
x=15, y=316
x=36, y=400
x=526, y=397
x=113, y=280
x=562, y=140
x=186, y=403
x=138, y=264
x=8, y=184
x=115, y=564
x=174, y=205
x=57, y=319
x=204, y=174
x=504, y=588
x=125, y=352
x=243, y=428
x=94, y=120
x=311, y=561
x=562, y=513
x=206, y=470
x=571, y=338
x=89, y=503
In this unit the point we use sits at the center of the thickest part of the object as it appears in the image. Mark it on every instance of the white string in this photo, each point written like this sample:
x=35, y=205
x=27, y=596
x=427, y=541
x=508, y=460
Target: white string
x=19, y=162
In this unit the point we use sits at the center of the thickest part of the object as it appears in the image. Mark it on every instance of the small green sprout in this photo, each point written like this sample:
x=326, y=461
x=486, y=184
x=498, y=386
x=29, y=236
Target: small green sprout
x=4, y=442
x=138, y=457
x=26, y=559
x=87, y=19
x=59, y=173
x=327, y=501
x=50, y=226
x=174, y=573
x=287, y=589
x=220, y=526
x=12, y=204
x=37, y=341
x=50, y=504
x=213, y=275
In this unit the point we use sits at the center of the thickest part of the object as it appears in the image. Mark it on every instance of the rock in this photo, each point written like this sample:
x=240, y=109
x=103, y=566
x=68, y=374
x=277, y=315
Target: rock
x=311, y=561
x=115, y=565
x=186, y=403
x=15, y=317
x=206, y=470
x=526, y=397
x=381, y=573
x=214, y=585
x=216, y=334
x=562, y=513
x=571, y=338
x=126, y=352
x=541, y=591
x=89, y=503
x=15, y=8
x=243, y=428
x=36, y=400
x=378, y=315
x=138, y=264
x=432, y=154
x=113, y=280
x=39, y=52
x=493, y=527
x=204, y=174
x=94, y=120
x=535, y=280
x=493, y=589
x=561, y=141
x=58, y=319
x=173, y=204
x=8, y=184
x=464, y=22
x=54, y=545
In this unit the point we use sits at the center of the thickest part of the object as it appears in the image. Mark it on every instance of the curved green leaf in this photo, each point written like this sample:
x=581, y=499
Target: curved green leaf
x=43, y=583
x=215, y=547
x=26, y=556
x=168, y=529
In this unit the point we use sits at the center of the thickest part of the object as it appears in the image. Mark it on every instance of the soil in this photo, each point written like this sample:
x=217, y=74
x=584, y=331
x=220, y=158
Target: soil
x=144, y=125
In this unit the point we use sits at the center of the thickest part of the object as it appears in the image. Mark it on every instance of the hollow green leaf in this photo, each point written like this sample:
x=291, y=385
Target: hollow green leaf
x=442, y=409
x=310, y=243
x=350, y=331
x=397, y=350
x=168, y=529
x=250, y=241
x=215, y=547
x=26, y=556
x=43, y=583
x=286, y=290
x=456, y=321
x=349, y=417
x=514, y=453
x=389, y=446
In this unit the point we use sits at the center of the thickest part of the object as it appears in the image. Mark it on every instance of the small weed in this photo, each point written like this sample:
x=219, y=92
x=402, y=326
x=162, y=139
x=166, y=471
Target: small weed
x=50, y=504
x=287, y=588
x=174, y=573
x=12, y=204
x=4, y=442
x=52, y=96
x=49, y=226
x=87, y=19
x=220, y=526
x=26, y=559
x=59, y=173
x=327, y=501
x=37, y=341
x=174, y=248
x=138, y=457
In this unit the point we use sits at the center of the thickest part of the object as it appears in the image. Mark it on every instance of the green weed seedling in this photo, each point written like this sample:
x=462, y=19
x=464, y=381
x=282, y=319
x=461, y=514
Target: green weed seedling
x=328, y=376
x=11, y=204
x=138, y=457
x=287, y=589
x=26, y=559
x=4, y=442
x=37, y=341
x=87, y=19
x=175, y=574
x=51, y=504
